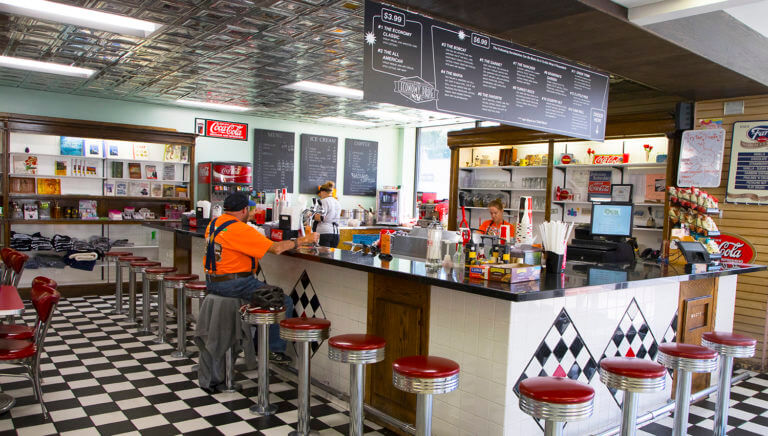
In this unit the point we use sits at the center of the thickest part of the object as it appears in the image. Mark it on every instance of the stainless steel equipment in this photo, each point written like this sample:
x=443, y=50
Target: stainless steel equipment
x=388, y=206
x=415, y=243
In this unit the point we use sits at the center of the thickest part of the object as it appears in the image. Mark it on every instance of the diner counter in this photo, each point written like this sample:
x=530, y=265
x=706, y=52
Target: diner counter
x=579, y=277
x=499, y=333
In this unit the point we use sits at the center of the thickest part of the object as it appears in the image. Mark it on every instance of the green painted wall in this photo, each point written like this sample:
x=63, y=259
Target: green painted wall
x=391, y=170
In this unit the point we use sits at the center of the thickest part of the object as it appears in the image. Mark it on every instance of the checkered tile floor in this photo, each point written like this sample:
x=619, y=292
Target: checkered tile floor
x=748, y=414
x=102, y=377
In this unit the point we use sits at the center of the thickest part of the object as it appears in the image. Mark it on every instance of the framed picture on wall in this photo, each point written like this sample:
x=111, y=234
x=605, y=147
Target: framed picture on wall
x=621, y=193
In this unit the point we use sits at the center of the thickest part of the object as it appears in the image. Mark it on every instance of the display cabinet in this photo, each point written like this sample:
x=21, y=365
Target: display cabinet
x=497, y=162
x=75, y=178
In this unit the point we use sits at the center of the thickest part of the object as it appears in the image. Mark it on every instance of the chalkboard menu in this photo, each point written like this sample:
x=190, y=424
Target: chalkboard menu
x=360, y=167
x=317, y=161
x=415, y=61
x=273, y=160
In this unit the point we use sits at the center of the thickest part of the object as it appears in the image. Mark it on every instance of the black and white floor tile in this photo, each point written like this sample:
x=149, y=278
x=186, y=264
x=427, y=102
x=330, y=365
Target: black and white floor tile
x=101, y=377
x=747, y=416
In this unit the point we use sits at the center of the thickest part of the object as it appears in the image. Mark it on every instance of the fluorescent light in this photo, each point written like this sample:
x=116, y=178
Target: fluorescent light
x=52, y=11
x=347, y=122
x=214, y=106
x=44, y=67
x=387, y=115
x=322, y=88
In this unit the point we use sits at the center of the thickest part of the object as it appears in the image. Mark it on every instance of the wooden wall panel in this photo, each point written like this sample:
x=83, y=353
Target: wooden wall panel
x=748, y=222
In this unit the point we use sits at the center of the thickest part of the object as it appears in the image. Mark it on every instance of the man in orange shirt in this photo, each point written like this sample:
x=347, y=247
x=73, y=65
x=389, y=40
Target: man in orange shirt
x=232, y=254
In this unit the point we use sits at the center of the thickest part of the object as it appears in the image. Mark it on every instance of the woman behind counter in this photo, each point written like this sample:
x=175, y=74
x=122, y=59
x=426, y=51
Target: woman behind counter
x=493, y=225
x=328, y=222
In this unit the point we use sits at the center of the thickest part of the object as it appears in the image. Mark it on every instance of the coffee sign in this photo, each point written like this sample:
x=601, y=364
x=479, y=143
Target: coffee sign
x=221, y=129
x=734, y=249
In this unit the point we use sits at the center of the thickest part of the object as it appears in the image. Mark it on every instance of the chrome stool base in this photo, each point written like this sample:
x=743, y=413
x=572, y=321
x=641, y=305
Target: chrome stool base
x=270, y=409
x=308, y=433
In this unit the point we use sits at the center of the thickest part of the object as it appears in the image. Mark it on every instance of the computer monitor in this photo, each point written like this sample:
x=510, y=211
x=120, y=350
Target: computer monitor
x=611, y=219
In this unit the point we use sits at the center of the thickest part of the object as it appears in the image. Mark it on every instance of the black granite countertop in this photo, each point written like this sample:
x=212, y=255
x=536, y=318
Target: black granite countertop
x=579, y=277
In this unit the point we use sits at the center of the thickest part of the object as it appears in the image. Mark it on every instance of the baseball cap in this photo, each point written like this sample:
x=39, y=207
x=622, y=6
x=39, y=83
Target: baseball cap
x=237, y=201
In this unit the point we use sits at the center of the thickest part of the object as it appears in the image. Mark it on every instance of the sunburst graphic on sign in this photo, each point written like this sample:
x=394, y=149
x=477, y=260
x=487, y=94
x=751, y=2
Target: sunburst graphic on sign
x=462, y=35
x=370, y=38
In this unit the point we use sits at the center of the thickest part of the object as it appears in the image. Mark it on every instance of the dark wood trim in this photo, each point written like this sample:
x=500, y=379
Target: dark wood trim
x=453, y=199
x=550, y=168
x=95, y=129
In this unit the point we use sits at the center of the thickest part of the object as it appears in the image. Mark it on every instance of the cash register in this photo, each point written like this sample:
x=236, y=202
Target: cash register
x=606, y=240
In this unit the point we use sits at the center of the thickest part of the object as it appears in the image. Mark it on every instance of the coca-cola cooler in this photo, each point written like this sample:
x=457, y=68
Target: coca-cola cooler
x=216, y=180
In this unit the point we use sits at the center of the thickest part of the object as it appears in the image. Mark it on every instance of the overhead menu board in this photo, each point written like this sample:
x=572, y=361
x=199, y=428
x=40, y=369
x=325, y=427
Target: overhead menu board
x=273, y=160
x=415, y=61
x=360, y=167
x=748, y=172
x=317, y=161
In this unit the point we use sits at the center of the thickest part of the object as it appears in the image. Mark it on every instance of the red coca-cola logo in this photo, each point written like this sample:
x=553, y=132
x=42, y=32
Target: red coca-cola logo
x=735, y=249
x=608, y=159
x=232, y=173
x=204, y=173
x=227, y=130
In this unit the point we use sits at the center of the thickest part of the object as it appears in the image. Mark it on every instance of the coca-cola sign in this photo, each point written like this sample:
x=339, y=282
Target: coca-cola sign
x=221, y=129
x=603, y=159
x=735, y=249
x=229, y=173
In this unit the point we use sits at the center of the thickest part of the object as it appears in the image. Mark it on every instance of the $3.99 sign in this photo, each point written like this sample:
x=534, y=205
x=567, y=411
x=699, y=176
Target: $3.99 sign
x=735, y=249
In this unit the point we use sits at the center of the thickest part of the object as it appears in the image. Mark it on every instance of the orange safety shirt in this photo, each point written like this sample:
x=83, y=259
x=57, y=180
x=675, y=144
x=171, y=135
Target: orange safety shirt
x=239, y=242
x=489, y=228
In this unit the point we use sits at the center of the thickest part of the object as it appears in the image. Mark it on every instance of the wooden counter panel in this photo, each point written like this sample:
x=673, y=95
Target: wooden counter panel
x=697, y=306
x=398, y=311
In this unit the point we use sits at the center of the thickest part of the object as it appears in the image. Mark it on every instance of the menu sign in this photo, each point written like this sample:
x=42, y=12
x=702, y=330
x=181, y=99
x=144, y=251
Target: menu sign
x=360, y=167
x=317, y=161
x=273, y=160
x=415, y=61
x=748, y=172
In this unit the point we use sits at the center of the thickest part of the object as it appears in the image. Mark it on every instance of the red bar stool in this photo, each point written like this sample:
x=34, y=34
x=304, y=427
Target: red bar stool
x=125, y=261
x=138, y=268
x=303, y=331
x=112, y=256
x=556, y=400
x=728, y=346
x=633, y=376
x=357, y=350
x=175, y=281
x=685, y=359
x=262, y=319
x=425, y=376
x=158, y=274
x=197, y=289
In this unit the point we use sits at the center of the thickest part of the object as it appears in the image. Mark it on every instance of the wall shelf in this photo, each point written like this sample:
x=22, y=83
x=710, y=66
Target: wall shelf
x=89, y=222
x=93, y=197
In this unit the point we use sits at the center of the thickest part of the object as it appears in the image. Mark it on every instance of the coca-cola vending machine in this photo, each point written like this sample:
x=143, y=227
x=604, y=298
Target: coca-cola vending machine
x=216, y=180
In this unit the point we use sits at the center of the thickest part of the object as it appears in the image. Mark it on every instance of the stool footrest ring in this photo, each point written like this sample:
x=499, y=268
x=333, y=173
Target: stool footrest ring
x=425, y=385
x=556, y=412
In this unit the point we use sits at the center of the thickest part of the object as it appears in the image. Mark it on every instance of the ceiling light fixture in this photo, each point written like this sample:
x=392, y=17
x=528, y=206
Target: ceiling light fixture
x=387, y=115
x=214, y=106
x=347, y=122
x=45, y=67
x=52, y=11
x=322, y=88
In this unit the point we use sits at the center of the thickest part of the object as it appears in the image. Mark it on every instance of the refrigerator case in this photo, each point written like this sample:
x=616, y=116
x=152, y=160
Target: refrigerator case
x=216, y=180
x=388, y=206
